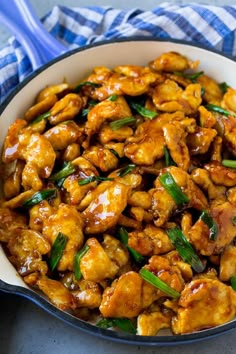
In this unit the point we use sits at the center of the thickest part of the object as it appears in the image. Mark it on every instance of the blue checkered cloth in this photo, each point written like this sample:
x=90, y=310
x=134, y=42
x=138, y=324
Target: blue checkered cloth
x=210, y=26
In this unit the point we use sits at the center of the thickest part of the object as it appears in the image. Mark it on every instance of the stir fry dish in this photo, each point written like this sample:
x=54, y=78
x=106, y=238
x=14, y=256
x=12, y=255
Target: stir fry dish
x=119, y=197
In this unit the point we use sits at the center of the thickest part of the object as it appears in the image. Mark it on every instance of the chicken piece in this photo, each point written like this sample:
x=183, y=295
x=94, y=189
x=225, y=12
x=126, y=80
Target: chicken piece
x=116, y=148
x=140, y=199
x=229, y=100
x=10, y=222
x=231, y=195
x=18, y=201
x=137, y=213
x=115, y=251
x=12, y=146
x=185, y=268
x=163, y=204
x=104, y=211
x=101, y=158
x=72, y=151
x=127, y=221
x=186, y=222
x=175, y=140
x=52, y=90
x=200, y=141
x=76, y=193
x=172, y=61
x=38, y=214
x=68, y=221
x=96, y=264
x=221, y=175
x=151, y=241
x=199, y=234
x=41, y=107
x=63, y=134
x=202, y=178
x=66, y=108
x=204, y=303
x=99, y=75
x=124, y=297
x=89, y=294
x=206, y=118
x=57, y=294
x=12, y=184
x=105, y=110
x=217, y=149
x=107, y=134
x=169, y=97
x=27, y=248
x=133, y=70
x=149, y=323
x=212, y=92
x=228, y=263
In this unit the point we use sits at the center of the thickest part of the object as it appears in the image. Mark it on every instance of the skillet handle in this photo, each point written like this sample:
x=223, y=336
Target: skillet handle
x=40, y=46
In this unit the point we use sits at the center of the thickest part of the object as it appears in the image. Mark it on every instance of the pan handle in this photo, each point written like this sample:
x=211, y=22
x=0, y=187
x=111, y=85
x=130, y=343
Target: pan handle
x=20, y=18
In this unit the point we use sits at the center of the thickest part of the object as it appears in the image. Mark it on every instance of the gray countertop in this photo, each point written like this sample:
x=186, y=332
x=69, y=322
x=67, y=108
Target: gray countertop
x=26, y=328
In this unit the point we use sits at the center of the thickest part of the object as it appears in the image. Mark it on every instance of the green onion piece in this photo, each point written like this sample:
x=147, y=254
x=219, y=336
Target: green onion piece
x=124, y=324
x=57, y=250
x=77, y=259
x=193, y=77
x=218, y=109
x=158, y=283
x=117, y=124
x=233, y=282
x=90, y=179
x=41, y=117
x=85, y=112
x=146, y=113
x=86, y=83
x=224, y=87
x=233, y=220
x=202, y=91
x=168, y=159
x=173, y=189
x=185, y=249
x=115, y=153
x=125, y=170
x=67, y=170
x=39, y=196
x=112, y=98
x=229, y=163
x=209, y=221
x=124, y=237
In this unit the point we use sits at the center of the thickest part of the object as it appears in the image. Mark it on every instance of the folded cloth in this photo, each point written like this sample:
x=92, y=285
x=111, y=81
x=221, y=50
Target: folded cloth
x=210, y=26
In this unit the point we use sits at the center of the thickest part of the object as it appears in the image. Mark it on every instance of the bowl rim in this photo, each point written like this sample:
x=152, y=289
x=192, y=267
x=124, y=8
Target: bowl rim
x=30, y=294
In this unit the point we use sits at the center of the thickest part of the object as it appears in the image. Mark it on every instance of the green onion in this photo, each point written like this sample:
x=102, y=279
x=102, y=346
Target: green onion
x=125, y=170
x=114, y=152
x=124, y=237
x=39, y=196
x=185, y=249
x=218, y=109
x=209, y=221
x=85, y=112
x=86, y=83
x=117, y=124
x=233, y=219
x=57, y=250
x=158, y=283
x=67, y=170
x=233, y=282
x=146, y=113
x=224, y=87
x=229, y=163
x=77, y=260
x=168, y=159
x=124, y=324
x=193, y=77
x=173, y=189
x=112, y=98
x=90, y=179
x=41, y=117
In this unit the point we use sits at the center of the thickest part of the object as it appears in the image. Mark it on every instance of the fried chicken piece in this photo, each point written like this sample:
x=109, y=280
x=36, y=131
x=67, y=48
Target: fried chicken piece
x=43, y=106
x=204, y=303
x=229, y=100
x=10, y=222
x=101, y=158
x=89, y=294
x=66, y=108
x=150, y=322
x=52, y=90
x=200, y=141
x=228, y=263
x=172, y=61
x=221, y=175
x=115, y=250
x=202, y=178
x=12, y=182
x=212, y=92
x=12, y=144
x=206, y=118
x=107, y=134
x=38, y=214
x=63, y=134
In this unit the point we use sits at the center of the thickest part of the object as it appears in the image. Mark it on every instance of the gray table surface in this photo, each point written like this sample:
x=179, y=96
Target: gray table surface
x=26, y=328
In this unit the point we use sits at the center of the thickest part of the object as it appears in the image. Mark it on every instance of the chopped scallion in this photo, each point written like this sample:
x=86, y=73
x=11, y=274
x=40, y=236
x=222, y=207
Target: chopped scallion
x=146, y=113
x=193, y=77
x=77, y=260
x=117, y=124
x=218, y=109
x=224, y=87
x=173, y=189
x=229, y=163
x=90, y=179
x=41, y=117
x=57, y=250
x=168, y=159
x=233, y=282
x=39, y=196
x=112, y=98
x=209, y=221
x=124, y=324
x=67, y=170
x=125, y=170
x=86, y=83
x=124, y=237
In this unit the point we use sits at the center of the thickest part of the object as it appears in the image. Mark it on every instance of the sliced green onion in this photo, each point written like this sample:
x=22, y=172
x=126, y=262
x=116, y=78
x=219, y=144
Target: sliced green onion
x=90, y=179
x=112, y=98
x=209, y=221
x=117, y=124
x=77, y=259
x=67, y=170
x=168, y=159
x=57, y=250
x=41, y=117
x=86, y=83
x=233, y=282
x=146, y=113
x=125, y=170
x=114, y=152
x=39, y=196
x=173, y=189
x=185, y=249
x=158, y=283
x=193, y=77
x=218, y=109
x=85, y=112
x=124, y=237
x=233, y=220
x=124, y=324
x=224, y=87
x=229, y=163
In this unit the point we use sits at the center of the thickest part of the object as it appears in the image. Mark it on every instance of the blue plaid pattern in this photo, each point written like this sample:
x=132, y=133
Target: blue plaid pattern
x=211, y=26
